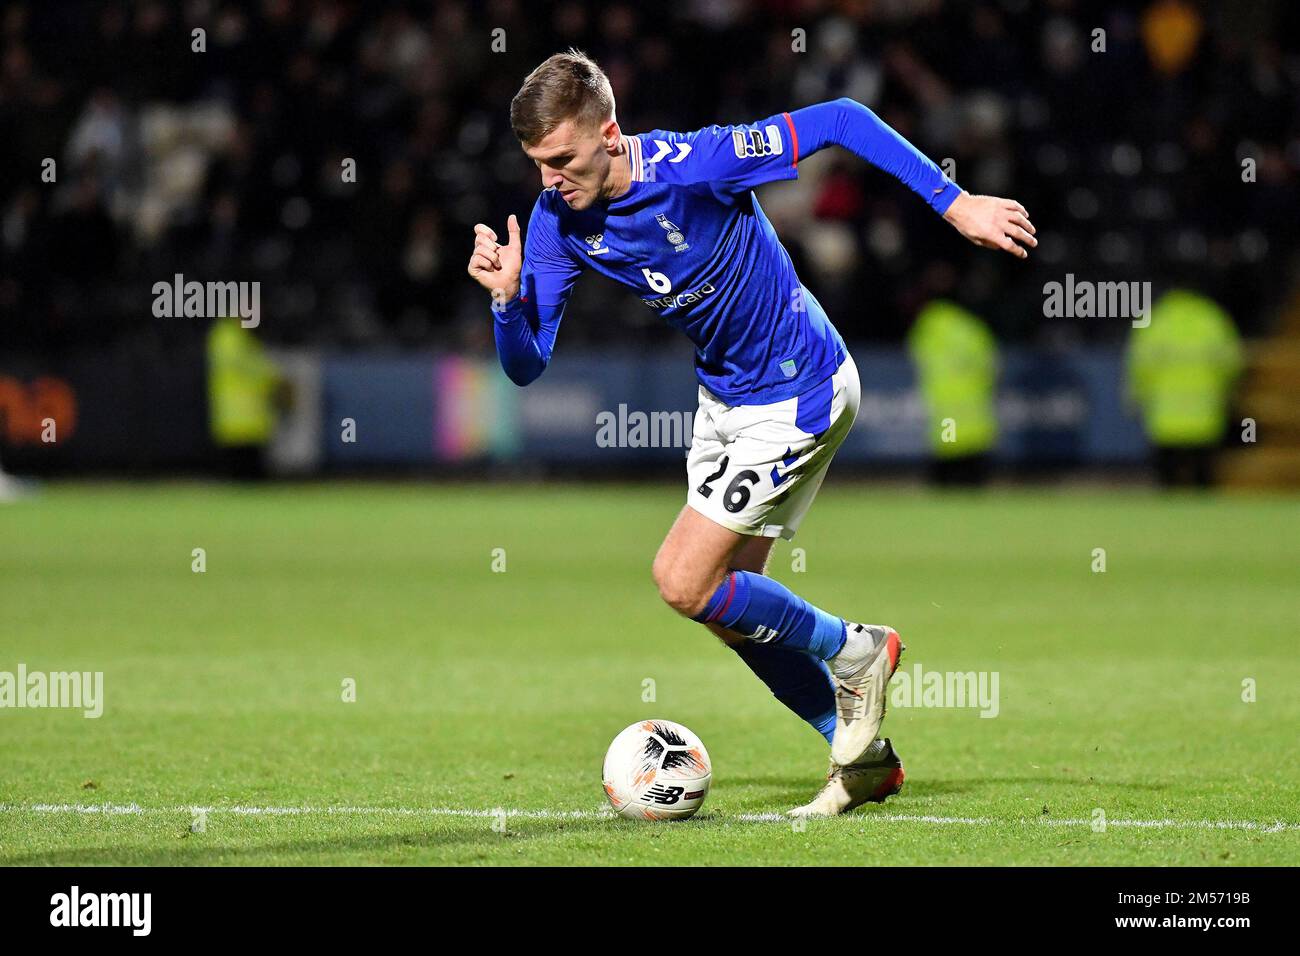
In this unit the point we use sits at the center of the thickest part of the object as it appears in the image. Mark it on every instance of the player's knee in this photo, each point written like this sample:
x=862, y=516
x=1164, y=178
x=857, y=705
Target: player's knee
x=683, y=593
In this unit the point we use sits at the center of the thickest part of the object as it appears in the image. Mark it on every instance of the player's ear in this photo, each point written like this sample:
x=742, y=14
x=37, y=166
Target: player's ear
x=611, y=137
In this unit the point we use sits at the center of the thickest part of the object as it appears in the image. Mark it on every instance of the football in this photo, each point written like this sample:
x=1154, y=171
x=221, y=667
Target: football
x=657, y=770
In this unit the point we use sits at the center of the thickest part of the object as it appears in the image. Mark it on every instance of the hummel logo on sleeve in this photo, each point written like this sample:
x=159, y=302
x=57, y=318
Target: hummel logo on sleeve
x=683, y=150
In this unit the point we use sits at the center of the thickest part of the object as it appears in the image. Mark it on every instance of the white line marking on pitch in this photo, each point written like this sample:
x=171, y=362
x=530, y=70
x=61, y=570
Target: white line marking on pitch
x=131, y=809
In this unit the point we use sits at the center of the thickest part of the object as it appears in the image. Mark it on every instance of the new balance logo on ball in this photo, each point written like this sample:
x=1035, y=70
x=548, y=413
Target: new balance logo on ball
x=664, y=795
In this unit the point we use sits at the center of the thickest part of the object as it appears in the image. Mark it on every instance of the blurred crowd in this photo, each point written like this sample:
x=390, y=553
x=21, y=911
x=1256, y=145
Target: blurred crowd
x=1164, y=148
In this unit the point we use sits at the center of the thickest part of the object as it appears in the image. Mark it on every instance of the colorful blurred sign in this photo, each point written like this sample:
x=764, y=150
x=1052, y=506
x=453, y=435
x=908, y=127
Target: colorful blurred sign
x=616, y=409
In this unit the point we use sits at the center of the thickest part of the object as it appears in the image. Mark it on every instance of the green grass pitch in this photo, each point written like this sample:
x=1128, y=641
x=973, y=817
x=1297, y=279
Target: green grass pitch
x=478, y=689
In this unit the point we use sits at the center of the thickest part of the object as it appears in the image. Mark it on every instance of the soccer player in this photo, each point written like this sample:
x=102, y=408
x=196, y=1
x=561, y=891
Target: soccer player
x=672, y=216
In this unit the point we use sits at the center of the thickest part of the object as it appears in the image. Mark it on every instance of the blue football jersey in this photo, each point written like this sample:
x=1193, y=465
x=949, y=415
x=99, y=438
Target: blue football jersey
x=691, y=240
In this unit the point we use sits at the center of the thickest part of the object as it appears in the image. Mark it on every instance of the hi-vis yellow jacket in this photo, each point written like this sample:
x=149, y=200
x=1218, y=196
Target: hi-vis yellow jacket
x=957, y=366
x=1181, y=370
x=241, y=386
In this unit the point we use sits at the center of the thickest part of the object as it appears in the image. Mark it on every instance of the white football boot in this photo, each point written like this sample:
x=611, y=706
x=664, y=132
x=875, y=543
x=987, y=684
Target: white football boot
x=861, y=671
x=870, y=780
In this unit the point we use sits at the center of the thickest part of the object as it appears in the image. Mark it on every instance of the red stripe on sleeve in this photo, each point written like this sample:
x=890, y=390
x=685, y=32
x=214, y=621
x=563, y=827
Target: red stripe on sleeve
x=794, y=141
x=731, y=593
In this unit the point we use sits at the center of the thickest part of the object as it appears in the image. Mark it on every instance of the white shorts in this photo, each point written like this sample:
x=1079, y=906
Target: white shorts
x=756, y=468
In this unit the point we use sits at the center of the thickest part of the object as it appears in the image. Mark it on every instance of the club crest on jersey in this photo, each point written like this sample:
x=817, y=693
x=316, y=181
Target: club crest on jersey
x=752, y=143
x=675, y=237
x=597, y=244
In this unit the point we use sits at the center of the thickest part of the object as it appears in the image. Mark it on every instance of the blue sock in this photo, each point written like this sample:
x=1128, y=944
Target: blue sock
x=767, y=611
x=796, y=679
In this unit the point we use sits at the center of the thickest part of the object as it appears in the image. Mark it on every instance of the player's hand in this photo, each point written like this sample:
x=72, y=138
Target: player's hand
x=496, y=267
x=993, y=223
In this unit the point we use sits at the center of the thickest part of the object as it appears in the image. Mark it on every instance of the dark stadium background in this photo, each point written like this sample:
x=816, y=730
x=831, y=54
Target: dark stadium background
x=224, y=165
x=411, y=640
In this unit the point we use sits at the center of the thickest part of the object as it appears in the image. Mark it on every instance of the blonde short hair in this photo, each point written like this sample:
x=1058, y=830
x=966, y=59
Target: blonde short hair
x=566, y=86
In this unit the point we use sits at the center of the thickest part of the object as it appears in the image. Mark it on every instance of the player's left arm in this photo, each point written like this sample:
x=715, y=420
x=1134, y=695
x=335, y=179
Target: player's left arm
x=988, y=221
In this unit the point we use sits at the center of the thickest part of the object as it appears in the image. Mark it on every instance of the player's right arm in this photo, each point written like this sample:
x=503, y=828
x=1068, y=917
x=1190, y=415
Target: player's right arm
x=530, y=285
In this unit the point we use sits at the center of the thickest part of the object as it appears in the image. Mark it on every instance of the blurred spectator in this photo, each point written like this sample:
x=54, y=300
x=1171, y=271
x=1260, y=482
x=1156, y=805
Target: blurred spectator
x=1170, y=30
x=230, y=160
x=244, y=388
x=1182, y=367
x=957, y=368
